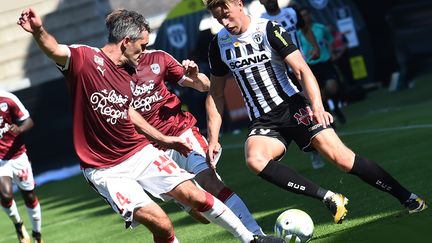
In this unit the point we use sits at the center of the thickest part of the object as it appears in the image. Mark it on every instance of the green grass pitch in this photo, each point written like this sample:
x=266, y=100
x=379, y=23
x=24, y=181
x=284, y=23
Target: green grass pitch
x=394, y=129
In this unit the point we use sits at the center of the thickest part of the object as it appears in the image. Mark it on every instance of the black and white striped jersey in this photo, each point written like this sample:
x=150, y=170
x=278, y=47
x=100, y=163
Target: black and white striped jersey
x=256, y=59
x=290, y=20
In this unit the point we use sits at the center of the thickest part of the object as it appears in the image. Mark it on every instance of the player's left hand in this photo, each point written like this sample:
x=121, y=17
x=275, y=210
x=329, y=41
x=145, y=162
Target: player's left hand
x=15, y=129
x=213, y=153
x=191, y=69
x=320, y=116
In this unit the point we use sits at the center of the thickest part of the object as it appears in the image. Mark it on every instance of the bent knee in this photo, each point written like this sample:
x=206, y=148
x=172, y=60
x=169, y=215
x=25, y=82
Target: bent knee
x=256, y=163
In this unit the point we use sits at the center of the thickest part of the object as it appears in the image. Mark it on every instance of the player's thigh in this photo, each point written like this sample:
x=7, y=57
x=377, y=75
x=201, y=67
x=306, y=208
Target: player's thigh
x=22, y=172
x=6, y=193
x=330, y=146
x=122, y=193
x=259, y=150
x=162, y=175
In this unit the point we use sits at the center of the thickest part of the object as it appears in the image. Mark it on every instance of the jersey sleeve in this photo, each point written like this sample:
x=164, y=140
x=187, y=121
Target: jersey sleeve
x=279, y=39
x=174, y=72
x=74, y=62
x=217, y=66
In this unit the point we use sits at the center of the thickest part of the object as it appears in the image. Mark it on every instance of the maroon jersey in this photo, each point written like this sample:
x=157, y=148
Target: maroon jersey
x=12, y=111
x=101, y=92
x=153, y=100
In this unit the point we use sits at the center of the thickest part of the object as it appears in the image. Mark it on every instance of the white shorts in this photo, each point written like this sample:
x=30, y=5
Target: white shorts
x=195, y=162
x=20, y=171
x=123, y=185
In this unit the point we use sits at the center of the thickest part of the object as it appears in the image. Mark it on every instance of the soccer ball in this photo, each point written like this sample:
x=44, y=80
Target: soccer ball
x=294, y=225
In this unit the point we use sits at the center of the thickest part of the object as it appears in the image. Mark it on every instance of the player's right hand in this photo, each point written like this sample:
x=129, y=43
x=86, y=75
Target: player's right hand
x=179, y=145
x=213, y=150
x=30, y=21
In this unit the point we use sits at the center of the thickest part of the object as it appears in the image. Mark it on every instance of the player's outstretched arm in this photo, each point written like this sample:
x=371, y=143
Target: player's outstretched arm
x=214, y=107
x=310, y=87
x=195, y=79
x=155, y=135
x=31, y=22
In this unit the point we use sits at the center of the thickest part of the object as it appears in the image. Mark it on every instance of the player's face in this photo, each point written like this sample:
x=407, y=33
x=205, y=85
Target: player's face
x=135, y=48
x=231, y=16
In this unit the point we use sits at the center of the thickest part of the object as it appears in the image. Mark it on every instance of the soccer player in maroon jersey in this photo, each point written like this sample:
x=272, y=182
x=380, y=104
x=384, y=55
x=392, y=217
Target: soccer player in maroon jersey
x=15, y=166
x=162, y=109
x=256, y=51
x=119, y=163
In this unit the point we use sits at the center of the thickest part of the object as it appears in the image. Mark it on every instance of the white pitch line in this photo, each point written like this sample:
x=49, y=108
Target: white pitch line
x=348, y=133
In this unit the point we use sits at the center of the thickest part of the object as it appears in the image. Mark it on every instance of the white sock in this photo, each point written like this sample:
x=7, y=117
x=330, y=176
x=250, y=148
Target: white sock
x=12, y=212
x=221, y=215
x=35, y=217
x=238, y=207
x=328, y=194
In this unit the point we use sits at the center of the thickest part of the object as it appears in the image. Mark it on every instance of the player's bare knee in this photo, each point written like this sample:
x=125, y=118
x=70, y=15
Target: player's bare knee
x=344, y=161
x=256, y=163
x=6, y=199
x=29, y=197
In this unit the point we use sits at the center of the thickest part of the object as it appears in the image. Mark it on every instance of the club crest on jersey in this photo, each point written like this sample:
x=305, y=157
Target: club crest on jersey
x=257, y=38
x=98, y=60
x=236, y=44
x=3, y=107
x=155, y=68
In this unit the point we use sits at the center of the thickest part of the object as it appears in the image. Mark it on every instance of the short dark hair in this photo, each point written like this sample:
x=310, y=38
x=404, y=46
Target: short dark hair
x=123, y=23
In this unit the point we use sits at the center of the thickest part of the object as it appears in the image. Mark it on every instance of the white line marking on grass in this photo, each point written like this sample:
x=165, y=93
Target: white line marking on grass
x=388, y=129
x=67, y=172
x=348, y=133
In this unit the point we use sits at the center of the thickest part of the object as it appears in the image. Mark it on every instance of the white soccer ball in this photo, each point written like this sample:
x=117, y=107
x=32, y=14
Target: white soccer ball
x=294, y=225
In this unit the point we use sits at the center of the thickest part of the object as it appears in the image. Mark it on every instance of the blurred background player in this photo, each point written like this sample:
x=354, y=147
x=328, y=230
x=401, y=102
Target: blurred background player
x=15, y=166
x=163, y=110
x=292, y=21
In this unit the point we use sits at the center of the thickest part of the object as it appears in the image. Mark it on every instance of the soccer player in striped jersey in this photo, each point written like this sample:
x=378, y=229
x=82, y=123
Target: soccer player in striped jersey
x=292, y=21
x=255, y=51
x=15, y=166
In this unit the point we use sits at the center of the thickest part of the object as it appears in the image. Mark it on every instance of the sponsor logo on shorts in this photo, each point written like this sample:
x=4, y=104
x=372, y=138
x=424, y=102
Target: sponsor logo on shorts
x=302, y=117
x=314, y=127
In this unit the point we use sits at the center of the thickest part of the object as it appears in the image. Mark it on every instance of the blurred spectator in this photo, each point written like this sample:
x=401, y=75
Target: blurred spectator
x=340, y=54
